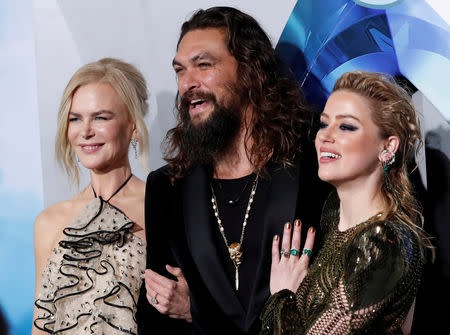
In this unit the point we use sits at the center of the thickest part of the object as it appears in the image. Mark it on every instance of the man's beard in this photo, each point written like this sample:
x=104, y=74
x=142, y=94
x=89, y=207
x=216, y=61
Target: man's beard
x=206, y=142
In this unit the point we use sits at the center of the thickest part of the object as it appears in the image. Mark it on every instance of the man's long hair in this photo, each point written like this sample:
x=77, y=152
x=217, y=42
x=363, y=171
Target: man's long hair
x=280, y=116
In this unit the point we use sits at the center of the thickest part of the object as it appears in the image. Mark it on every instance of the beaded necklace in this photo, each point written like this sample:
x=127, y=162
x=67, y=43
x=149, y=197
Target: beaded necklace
x=234, y=248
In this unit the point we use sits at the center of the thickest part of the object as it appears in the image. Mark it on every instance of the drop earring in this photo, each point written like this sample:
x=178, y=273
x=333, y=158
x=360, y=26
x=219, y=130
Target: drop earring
x=387, y=159
x=134, y=145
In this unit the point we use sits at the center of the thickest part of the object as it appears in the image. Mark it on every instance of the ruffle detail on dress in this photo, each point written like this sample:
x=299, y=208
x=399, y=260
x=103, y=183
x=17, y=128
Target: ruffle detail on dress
x=93, y=277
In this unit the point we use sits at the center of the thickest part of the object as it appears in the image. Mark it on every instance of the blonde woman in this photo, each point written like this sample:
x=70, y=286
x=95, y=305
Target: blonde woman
x=90, y=250
x=365, y=277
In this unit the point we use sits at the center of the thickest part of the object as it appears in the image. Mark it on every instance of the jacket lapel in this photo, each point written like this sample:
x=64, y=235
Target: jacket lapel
x=282, y=206
x=200, y=239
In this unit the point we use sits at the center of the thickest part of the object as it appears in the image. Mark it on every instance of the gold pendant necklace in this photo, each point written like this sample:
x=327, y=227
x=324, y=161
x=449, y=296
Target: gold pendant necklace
x=234, y=248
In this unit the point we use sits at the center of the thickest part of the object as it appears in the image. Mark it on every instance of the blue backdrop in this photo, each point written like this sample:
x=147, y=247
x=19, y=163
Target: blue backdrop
x=325, y=38
x=20, y=164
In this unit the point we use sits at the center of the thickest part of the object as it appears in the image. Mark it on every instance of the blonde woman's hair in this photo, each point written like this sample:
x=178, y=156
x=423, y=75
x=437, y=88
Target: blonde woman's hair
x=394, y=114
x=129, y=84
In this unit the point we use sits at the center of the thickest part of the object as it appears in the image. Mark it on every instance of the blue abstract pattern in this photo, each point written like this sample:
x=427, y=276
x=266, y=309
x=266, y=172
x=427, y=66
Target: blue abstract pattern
x=325, y=38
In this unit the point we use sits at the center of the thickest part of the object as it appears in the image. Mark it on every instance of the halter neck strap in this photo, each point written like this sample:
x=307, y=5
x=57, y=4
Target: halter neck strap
x=117, y=191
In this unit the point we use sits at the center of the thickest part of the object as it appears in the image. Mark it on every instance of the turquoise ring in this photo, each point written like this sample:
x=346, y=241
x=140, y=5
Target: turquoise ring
x=295, y=252
x=307, y=252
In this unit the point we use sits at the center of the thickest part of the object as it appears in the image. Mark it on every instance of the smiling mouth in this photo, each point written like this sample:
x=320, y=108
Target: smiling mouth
x=198, y=107
x=197, y=102
x=329, y=155
x=91, y=148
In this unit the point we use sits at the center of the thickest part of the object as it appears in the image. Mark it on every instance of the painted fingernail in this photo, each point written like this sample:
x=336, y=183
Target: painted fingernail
x=297, y=222
x=288, y=225
x=311, y=229
x=275, y=238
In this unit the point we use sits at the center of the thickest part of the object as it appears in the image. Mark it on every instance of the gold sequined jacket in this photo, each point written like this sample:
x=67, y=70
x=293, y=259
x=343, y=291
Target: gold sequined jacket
x=363, y=281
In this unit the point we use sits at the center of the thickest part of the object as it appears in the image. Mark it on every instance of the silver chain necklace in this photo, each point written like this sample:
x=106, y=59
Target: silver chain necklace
x=234, y=248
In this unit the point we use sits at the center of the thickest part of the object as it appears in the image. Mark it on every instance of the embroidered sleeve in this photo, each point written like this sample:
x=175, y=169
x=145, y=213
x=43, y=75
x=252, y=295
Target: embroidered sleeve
x=376, y=288
x=280, y=314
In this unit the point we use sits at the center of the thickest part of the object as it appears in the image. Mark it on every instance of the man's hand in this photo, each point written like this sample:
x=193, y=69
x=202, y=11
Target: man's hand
x=168, y=296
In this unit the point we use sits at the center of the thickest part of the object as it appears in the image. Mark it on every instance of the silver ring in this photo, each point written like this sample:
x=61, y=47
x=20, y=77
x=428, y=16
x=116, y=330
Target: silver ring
x=285, y=253
x=153, y=300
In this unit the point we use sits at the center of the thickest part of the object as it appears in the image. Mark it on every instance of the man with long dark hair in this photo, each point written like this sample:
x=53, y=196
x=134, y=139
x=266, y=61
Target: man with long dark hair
x=240, y=165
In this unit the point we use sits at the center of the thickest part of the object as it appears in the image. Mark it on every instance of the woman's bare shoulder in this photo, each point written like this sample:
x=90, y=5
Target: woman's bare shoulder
x=50, y=223
x=58, y=215
x=54, y=213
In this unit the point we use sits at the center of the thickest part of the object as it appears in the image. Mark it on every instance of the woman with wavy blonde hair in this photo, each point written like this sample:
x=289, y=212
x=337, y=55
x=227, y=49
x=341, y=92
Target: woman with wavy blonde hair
x=365, y=277
x=90, y=250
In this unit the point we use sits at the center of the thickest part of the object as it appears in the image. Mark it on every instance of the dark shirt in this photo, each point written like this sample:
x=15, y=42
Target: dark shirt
x=232, y=217
x=182, y=231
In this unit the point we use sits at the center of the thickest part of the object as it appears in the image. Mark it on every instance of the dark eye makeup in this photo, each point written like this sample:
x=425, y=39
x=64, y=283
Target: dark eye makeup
x=349, y=127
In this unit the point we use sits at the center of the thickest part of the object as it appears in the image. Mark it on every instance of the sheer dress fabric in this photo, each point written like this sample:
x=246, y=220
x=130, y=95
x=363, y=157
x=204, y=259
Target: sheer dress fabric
x=363, y=281
x=92, y=279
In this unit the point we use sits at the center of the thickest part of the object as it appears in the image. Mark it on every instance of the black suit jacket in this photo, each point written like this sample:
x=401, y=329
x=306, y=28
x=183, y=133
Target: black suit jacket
x=179, y=232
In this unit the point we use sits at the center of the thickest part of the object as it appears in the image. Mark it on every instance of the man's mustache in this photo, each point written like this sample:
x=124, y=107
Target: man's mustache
x=187, y=97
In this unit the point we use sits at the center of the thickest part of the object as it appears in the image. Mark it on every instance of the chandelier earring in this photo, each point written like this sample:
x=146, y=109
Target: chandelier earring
x=134, y=145
x=387, y=159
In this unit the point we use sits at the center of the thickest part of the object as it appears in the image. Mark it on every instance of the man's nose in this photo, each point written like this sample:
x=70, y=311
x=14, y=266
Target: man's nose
x=188, y=81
